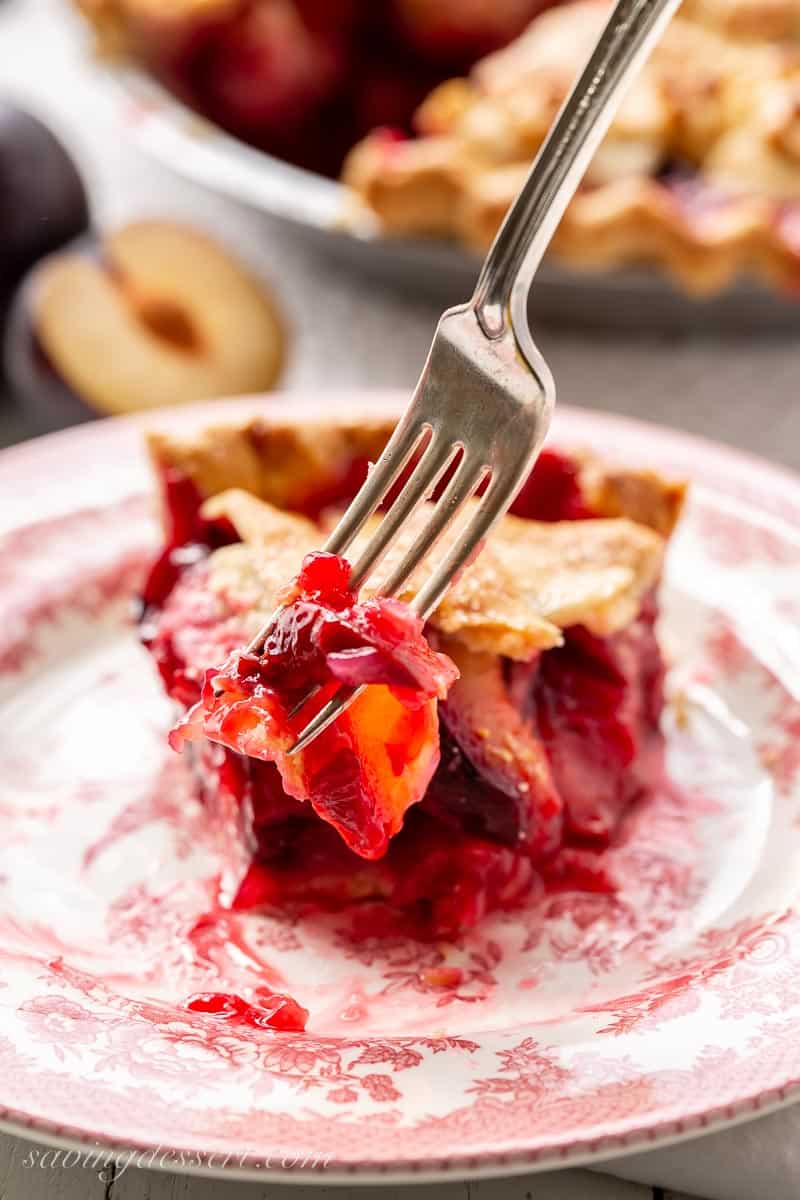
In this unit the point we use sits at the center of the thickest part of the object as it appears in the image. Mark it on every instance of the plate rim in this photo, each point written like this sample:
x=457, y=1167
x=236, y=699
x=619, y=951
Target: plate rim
x=589, y=1154
x=475, y=1165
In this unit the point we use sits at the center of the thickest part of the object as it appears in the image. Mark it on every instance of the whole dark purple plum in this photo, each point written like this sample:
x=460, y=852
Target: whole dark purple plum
x=43, y=201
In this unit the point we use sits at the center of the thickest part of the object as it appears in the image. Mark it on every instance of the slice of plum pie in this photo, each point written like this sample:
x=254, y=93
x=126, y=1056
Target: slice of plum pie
x=497, y=747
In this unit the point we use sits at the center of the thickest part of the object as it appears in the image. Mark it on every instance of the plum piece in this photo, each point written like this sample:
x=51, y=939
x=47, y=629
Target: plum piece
x=155, y=314
x=364, y=771
x=501, y=745
x=43, y=201
x=462, y=799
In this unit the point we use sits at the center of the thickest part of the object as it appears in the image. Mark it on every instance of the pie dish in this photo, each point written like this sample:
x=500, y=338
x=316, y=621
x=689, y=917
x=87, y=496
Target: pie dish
x=699, y=177
x=584, y=1025
x=496, y=750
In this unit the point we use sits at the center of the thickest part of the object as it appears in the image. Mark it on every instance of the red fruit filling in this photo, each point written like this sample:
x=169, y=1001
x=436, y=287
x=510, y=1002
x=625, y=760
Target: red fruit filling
x=370, y=766
x=430, y=884
x=427, y=824
x=597, y=703
x=189, y=537
x=272, y=1010
x=305, y=79
x=552, y=491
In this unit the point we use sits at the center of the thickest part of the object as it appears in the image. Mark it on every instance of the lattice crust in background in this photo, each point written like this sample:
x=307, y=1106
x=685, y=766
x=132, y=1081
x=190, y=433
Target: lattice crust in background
x=700, y=172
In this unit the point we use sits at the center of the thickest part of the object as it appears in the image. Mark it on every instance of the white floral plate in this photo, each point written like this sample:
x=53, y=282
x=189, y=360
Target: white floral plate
x=584, y=1026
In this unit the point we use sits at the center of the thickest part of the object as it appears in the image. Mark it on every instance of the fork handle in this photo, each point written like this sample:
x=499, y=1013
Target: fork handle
x=580, y=126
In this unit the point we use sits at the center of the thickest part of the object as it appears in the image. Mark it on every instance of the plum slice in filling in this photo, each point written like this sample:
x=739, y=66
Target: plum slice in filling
x=463, y=773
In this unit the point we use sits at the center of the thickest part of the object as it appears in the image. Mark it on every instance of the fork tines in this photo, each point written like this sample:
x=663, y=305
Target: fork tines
x=479, y=415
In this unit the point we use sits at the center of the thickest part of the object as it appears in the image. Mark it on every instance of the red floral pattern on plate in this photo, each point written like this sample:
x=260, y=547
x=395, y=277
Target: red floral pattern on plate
x=577, y=1027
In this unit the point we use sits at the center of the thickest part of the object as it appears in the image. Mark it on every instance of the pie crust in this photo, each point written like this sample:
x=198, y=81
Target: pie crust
x=301, y=464
x=699, y=174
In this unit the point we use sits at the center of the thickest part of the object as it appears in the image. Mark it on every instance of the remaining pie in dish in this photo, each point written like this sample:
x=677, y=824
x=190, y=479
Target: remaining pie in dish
x=699, y=174
x=305, y=79
x=497, y=748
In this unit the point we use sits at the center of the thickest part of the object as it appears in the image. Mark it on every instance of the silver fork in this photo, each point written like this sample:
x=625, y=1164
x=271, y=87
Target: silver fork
x=485, y=394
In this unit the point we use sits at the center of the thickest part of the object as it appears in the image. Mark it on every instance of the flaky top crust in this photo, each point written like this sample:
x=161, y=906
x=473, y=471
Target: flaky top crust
x=531, y=580
x=287, y=461
x=279, y=461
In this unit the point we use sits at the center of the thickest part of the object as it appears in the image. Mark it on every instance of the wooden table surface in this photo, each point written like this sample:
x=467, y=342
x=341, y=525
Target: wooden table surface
x=350, y=332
